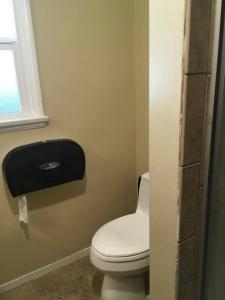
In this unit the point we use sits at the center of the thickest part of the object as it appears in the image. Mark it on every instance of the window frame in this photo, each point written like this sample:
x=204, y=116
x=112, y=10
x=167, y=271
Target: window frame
x=23, y=48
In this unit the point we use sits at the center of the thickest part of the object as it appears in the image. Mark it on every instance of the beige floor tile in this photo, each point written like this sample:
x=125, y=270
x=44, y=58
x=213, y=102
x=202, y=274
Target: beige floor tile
x=75, y=290
x=24, y=292
x=84, y=265
x=56, y=278
x=94, y=282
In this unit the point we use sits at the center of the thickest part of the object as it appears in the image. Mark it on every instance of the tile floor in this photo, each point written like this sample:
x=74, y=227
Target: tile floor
x=76, y=281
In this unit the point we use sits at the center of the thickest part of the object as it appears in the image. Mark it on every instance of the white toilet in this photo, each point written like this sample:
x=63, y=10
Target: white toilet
x=120, y=249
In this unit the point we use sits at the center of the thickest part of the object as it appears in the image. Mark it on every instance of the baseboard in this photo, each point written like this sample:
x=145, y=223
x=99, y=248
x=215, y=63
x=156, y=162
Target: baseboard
x=42, y=271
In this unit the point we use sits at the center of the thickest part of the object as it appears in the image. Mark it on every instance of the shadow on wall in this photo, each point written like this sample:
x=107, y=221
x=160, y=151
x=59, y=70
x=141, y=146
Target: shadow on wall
x=46, y=197
x=49, y=196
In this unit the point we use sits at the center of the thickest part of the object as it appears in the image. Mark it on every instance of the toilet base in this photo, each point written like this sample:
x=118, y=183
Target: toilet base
x=123, y=288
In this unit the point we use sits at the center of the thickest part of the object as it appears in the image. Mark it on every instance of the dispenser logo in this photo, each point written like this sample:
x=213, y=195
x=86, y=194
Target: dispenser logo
x=50, y=166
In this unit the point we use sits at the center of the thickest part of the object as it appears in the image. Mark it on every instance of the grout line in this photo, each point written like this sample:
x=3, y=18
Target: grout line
x=187, y=240
x=200, y=73
x=190, y=165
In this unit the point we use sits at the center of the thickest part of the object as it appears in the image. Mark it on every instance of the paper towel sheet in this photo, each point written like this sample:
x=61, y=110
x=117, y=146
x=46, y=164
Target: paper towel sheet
x=22, y=202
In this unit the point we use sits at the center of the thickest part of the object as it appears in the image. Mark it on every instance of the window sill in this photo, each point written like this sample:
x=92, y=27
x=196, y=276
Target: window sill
x=23, y=123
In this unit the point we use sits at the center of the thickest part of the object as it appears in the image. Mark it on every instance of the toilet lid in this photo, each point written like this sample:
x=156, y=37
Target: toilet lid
x=125, y=236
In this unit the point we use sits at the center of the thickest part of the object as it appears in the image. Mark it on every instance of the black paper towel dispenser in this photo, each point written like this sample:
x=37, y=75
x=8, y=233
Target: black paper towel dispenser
x=44, y=164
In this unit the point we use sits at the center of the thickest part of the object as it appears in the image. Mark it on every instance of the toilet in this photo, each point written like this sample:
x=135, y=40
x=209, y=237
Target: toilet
x=120, y=249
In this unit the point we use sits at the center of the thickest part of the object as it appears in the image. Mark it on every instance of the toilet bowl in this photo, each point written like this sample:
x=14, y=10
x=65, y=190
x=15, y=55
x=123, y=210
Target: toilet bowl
x=120, y=249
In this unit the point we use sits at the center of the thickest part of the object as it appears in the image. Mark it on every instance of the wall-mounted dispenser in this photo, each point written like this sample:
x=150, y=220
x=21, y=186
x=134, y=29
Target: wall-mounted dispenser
x=41, y=165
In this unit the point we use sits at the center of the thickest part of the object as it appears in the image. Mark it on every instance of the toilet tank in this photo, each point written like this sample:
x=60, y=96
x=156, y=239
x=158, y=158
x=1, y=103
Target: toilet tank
x=143, y=198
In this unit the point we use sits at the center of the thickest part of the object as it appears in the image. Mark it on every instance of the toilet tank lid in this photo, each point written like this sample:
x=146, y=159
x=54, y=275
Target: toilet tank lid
x=145, y=176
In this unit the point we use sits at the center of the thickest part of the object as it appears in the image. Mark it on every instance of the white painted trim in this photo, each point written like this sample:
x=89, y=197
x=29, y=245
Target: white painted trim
x=26, y=61
x=44, y=270
x=26, y=70
x=23, y=123
x=7, y=41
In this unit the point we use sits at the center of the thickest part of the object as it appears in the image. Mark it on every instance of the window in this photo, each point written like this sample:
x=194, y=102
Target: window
x=20, y=95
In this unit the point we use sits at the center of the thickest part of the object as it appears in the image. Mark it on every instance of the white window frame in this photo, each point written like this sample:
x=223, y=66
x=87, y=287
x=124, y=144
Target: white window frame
x=23, y=47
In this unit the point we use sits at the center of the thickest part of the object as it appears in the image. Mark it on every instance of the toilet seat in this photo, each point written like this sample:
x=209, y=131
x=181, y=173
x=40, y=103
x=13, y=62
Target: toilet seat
x=124, y=239
x=119, y=267
x=119, y=259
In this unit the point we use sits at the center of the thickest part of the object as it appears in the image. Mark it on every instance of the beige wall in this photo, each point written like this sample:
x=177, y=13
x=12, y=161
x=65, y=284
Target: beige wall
x=141, y=84
x=86, y=60
x=166, y=49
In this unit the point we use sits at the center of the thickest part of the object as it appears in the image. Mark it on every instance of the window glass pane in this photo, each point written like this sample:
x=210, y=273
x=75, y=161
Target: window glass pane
x=7, y=21
x=9, y=94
